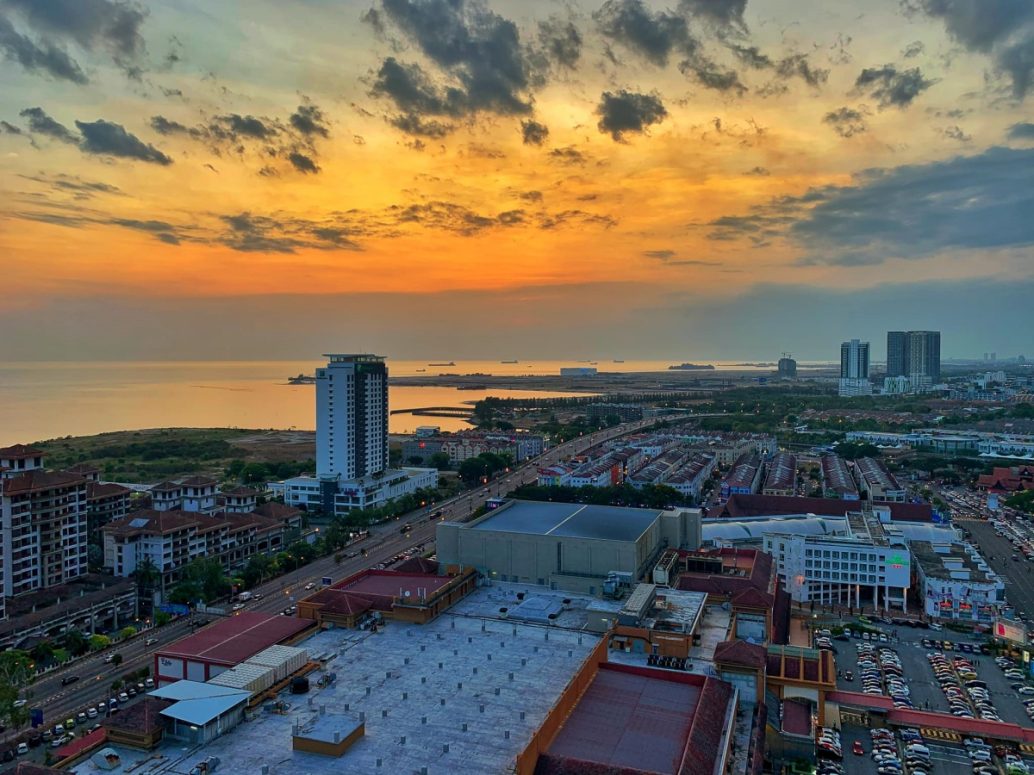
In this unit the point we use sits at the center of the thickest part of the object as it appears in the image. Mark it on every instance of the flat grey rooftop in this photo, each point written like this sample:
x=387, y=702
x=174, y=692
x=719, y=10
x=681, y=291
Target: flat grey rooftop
x=416, y=686
x=576, y=520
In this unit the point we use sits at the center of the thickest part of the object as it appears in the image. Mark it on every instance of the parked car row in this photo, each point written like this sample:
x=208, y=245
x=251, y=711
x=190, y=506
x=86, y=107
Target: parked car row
x=881, y=673
x=962, y=687
x=828, y=743
x=947, y=645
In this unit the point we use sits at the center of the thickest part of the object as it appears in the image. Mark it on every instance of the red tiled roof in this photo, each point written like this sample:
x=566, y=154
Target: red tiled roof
x=79, y=744
x=752, y=597
x=756, y=564
x=95, y=490
x=241, y=492
x=339, y=602
x=276, y=510
x=198, y=481
x=20, y=450
x=417, y=565
x=31, y=768
x=739, y=652
x=157, y=522
x=166, y=487
x=967, y=726
x=38, y=480
x=708, y=728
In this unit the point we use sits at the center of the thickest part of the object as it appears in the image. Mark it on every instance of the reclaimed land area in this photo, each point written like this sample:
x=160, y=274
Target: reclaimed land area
x=163, y=453
x=609, y=383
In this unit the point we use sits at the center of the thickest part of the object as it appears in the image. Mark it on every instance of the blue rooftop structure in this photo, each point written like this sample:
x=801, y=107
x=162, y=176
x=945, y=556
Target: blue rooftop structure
x=577, y=520
x=201, y=712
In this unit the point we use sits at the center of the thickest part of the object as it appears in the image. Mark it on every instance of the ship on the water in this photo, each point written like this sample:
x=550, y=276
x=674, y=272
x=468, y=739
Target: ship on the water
x=301, y=379
x=509, y=361
x=692, y=367
x=450, y=363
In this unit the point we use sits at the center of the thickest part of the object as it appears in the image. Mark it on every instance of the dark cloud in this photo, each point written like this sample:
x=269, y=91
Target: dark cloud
x=530, y=196
x=560, y=42
x=626, y=111
x=798, y=65
x=568, y=155
x=246, y=126
x=653, y=36
x=723, y=13
x=45, y=58
x=660, y=255
x=479, y=51
x=758, y=171
x=533, y=133
x=712, y=76
x=90, y=23
x=892, y=87
x=303, y=163
x=913, y=49
x=752, y=57
x=1021, y=131
x=956, y=133
x=373, y=17
x=977, y=24
x=413, y=92
x=977, y=202
x=846, y=122
x=1017, y=61
x=1004, y=29
x=412, y=124
x=165, y=126
x=42, y=124
x=550, y=221
x=9, y=129
x=94, y=25
x=309, y=120
x=109, y=139
x=75, y=185
x=256, y=234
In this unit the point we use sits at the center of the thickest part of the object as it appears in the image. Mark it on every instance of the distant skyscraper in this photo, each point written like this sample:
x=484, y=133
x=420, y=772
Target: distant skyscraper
x=351, y=417
x=854, y=360
x=854, y=369
x=787, y=367
x=916, y=355
x=897, y=354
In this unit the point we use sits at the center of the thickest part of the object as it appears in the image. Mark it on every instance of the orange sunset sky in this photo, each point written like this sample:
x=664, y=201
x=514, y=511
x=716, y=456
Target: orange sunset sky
x=710, y=178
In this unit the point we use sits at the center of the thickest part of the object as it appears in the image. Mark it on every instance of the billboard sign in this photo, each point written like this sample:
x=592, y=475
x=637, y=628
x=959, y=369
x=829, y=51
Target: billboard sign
x=1015, y=632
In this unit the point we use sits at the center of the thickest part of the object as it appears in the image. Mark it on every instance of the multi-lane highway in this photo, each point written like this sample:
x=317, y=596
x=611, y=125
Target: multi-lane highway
x=384, y=542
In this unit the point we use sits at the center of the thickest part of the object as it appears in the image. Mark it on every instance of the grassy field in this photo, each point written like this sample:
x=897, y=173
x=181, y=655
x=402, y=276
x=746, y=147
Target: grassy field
x=169, y=453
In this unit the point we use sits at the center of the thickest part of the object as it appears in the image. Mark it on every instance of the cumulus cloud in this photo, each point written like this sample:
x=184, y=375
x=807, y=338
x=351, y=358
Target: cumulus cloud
x=165, y=126
x=42, y=124
x=534, y=133
x=980, y=201
x=105, y=138
x=913, y=49
x=560, y=42
x=892, y=87
x=799, y=66
x=302, y=163
x=9, y=129
x=711, y=75
x=624, y=111
x=568, y=155
x=722, y=13
x=1023, y=130
x=309, y=120
x=45, y=58
x=484, y=65
x=112, y=26
x=1003, y=29
x=655, y=36
x=846, y=122
x=956, y=133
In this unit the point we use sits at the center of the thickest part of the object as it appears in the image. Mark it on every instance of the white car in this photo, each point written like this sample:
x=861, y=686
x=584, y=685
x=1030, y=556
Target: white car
x=1025, y=690
x=238, y=606
x=936, y=626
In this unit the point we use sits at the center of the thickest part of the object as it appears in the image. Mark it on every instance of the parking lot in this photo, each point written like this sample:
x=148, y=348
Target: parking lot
x=926, y=693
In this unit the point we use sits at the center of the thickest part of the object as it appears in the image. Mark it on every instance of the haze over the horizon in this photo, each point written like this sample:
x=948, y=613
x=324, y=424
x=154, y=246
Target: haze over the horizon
x=712, y=179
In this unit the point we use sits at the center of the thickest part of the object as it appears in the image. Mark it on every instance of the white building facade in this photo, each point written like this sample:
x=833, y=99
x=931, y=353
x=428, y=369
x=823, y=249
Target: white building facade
x=956, y=583
x=861, y=568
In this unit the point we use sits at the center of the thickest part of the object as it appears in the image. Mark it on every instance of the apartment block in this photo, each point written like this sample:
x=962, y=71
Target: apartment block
x=44, y=523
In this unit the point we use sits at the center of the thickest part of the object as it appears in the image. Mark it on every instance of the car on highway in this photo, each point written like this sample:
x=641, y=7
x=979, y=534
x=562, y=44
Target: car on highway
x=310, y=586
x=69, y=679
x=23, y=748
x=238, y=606
x=150, y=641
x=91, y=712
x=108, y=659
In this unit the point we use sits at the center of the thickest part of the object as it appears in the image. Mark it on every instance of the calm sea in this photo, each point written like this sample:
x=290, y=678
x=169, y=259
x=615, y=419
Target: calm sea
x=45, y=400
